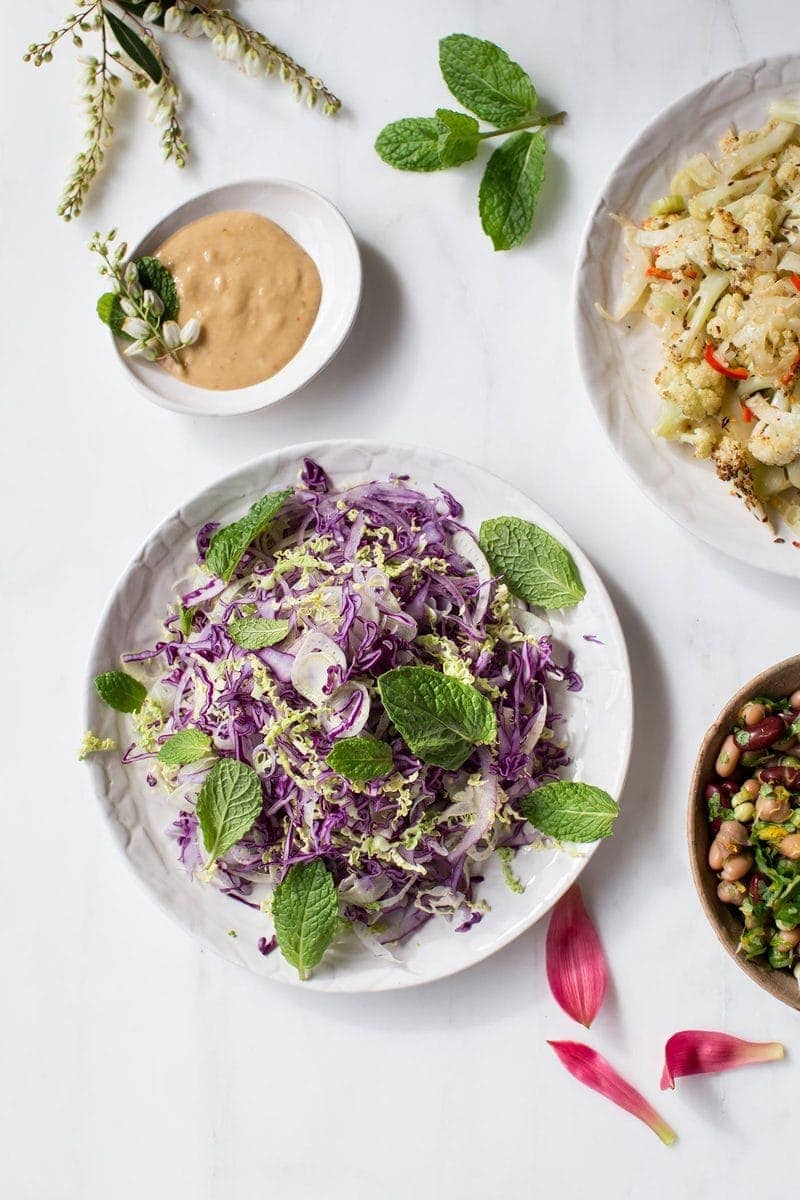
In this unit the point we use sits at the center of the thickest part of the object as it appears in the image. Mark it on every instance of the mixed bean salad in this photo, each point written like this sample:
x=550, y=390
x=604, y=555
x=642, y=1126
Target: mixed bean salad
x=754, y=813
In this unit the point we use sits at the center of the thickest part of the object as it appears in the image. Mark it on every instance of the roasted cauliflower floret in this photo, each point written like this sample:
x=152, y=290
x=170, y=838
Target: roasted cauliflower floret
x=693, y=386
x=724, y=324
x=787, y=175
x=730, y=460
x=776, y=438
x=742, y=230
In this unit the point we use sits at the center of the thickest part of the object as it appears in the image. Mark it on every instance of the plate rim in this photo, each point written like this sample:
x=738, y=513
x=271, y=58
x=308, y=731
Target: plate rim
x=143, y=388
x=97, y=766
x=581, y=341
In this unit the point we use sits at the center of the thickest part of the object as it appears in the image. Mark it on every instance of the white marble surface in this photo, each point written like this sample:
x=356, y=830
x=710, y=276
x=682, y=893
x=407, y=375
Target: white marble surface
x=135, y=1065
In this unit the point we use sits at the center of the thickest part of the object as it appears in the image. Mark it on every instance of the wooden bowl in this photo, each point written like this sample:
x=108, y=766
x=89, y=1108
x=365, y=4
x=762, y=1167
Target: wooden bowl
x=780, y=680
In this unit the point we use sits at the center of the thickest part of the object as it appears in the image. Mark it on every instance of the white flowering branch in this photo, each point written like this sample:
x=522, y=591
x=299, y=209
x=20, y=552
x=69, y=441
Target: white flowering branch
x=131, y=24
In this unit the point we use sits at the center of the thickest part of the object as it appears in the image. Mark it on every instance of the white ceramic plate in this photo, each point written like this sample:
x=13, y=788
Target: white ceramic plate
x=322, y=231
x=619, y=361
x=599, y=724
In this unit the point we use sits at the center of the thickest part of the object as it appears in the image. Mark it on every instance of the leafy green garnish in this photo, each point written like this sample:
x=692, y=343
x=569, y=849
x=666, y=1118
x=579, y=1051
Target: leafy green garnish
x=186, y=746
x=485, y=80
x=440, y=718
x=305, y=911
x=571, y=812
x=498, y=90
x=227, y=806
x=360, y=759
x=230, y=543
x=535, y=566
x=137, y=50
x=254, y=633
x=510, y=188
x=154, y=275
x=121, y=691
x=459, y=137
x=186, y=618
x=411, y=144
x=109, y=310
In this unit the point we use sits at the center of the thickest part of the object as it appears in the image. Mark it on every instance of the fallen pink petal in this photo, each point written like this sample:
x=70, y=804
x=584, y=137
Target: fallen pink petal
x=590, y=1068
x=576, y=966
x=703, y=1052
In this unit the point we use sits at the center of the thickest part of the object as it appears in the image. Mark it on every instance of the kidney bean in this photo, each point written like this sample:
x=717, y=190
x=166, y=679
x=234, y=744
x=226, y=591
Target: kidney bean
x=756, y=886
x=712, y=790
x=728, y=757
x=753, y=713
x=716, y=856
x=738, y=866
x=794, y=700
x=788, y=777
x=785, y=939
x=729, y=788
x=773, y=809
x=731, y=893
x=766, y=733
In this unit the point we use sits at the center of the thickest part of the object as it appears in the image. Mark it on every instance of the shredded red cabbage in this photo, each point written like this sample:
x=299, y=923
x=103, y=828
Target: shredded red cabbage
x=372, y=571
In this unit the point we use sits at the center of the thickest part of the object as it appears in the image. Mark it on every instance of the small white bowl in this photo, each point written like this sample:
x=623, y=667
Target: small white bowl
x=323, y=233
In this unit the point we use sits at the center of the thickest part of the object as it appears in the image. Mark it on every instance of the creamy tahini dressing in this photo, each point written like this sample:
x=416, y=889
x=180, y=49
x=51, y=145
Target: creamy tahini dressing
x=254, y=291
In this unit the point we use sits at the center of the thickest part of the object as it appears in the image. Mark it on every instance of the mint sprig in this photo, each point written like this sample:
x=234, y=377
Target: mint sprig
x=184, y=747
x=120, y=691
x=227, y=806
x=229, y=543
x=305, y=911
x=534, y=565
x=440, y=718
x=360, y=759
x=499, y=91
x=571, y=812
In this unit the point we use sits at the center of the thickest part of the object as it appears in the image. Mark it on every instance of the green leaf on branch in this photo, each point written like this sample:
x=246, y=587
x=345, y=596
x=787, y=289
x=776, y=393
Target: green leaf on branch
x=137, y=50
x=411, y=144
x=486, y=80
x=459, y=138
x=510, y=188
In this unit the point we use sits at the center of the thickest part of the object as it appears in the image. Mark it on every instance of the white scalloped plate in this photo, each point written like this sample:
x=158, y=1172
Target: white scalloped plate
x=619, y=361
x=599, y=723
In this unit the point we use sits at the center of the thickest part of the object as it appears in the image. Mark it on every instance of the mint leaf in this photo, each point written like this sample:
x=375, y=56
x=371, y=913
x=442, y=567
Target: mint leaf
x=360, y=759
x=305, y=912
x=571, y=812
x=137, y=50
x=411, y=144
x=229, y=543
x=459, y=139
x=109, y=310
x=154, y=275
x=510, y=188
x=485, y=80
x=227, y=806
x=186, y=746
x=185, y=619
x=121, y=691
x=439, y=717
x=254, y=633
x=535, y=566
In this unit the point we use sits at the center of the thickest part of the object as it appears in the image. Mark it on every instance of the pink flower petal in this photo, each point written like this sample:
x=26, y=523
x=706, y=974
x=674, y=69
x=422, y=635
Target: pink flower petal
x=589, y=1067
x=576, y=967
x=702, y=1052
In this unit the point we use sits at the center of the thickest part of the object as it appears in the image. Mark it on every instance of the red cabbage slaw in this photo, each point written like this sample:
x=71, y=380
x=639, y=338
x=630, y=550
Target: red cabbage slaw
x=369, y=578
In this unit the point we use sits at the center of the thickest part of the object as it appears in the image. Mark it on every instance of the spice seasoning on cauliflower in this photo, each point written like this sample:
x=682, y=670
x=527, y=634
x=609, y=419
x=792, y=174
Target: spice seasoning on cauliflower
x=715, y=267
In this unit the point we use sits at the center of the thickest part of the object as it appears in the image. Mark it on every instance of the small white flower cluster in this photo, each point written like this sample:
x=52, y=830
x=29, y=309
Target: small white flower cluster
x=152, y=337
x=99, y=98
x=235, y=42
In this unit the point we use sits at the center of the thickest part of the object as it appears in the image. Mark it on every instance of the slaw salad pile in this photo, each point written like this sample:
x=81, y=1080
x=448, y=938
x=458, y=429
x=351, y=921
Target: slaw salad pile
x=352, y=703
